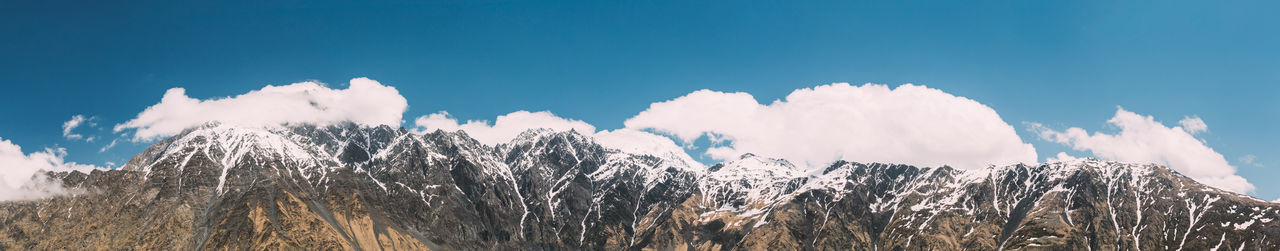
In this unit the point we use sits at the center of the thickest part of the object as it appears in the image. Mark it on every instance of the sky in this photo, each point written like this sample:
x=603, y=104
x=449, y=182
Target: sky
x=1186, y=83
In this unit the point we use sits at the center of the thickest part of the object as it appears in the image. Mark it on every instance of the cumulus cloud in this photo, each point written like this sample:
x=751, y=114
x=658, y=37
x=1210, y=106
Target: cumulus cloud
x=76, y=121
x=20, y=174
x=365, y=102
x=503, y=129
x=909, y=124
x=1143, y=139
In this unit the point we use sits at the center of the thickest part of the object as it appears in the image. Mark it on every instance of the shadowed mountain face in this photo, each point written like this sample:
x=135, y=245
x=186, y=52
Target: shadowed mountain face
x=350, y=187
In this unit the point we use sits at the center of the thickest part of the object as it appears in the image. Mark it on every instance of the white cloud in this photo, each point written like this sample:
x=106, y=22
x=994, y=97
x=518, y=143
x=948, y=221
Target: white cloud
x=909, y=124
x=1143, y=139
x=1193, y=125
x=365, y=102
x=1062, y=157
x=20, y=176
x=75, y=122
x=503, y=129
x=109, y=145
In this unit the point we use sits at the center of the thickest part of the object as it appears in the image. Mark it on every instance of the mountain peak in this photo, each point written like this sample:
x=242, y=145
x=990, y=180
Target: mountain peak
x=539, y=134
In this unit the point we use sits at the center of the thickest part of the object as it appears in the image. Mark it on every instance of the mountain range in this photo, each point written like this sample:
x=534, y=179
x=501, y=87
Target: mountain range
x=353, y=187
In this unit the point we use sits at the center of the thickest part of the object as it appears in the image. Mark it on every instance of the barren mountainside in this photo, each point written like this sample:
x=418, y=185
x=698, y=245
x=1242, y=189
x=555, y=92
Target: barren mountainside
x=367, y=188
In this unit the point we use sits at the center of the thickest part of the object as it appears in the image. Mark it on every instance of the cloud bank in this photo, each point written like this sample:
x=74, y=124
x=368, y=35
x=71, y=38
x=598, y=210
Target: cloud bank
x=20, y=176
x=909, y=124
x=365, y=102
x=1143, y=139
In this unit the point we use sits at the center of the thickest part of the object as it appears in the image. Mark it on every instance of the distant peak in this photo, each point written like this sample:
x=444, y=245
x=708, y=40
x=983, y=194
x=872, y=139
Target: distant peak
x=747, y=157
x=539, y=134
x=754, y=162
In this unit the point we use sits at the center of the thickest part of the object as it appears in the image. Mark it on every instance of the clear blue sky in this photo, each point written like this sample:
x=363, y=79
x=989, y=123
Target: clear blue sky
x=1062, y=64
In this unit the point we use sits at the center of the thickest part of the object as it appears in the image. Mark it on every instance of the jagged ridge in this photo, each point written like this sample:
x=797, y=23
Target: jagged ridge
x=350, y=187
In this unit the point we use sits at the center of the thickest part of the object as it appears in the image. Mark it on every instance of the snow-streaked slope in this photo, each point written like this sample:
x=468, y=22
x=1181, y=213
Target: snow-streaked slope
x=653, y=162
x=569, y=190
x=232, y=146
x=748, y=181
x=745, y=191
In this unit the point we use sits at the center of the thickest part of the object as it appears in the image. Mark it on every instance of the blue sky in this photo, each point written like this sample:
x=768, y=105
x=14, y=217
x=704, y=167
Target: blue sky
x=1061, y=64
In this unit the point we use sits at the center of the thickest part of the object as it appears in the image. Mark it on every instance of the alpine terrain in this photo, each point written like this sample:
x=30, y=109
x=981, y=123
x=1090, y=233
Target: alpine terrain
x=369, y=188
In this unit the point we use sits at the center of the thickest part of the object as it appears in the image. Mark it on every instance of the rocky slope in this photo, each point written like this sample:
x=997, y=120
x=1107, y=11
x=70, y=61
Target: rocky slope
x=351, y=187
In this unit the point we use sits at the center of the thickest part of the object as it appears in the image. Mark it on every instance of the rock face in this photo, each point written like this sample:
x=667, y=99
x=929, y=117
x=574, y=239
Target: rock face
x=350, y=187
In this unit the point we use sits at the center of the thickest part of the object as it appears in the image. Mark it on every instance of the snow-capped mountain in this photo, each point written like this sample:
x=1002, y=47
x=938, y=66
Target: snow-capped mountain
x=350, y=187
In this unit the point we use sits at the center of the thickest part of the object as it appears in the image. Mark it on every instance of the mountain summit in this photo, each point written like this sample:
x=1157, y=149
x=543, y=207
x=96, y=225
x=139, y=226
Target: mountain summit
x=352, y=187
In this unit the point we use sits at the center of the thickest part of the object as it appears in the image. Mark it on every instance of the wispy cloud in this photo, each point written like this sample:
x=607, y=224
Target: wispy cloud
x=1250, y=159
x=77, y=121
x=109, y=145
